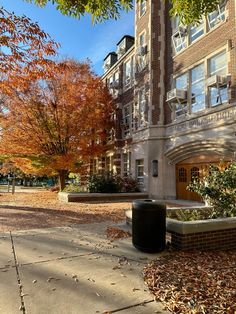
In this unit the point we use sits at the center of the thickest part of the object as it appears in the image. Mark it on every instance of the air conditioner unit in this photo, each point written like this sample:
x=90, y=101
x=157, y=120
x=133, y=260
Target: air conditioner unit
x=141, y=51
x=176, y=95
x=217, y=80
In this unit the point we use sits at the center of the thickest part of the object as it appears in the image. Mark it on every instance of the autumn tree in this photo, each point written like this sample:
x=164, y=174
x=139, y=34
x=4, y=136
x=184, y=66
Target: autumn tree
x=26, y=51
x=189, y=11
x=54, y=125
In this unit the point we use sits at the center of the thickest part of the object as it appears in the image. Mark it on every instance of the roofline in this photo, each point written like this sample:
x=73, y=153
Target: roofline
x=118, y=61
x=129, y=36
x=110, y=53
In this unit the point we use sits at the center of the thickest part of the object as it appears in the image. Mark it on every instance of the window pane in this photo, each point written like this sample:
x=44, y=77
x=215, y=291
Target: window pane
x=127, y=119
x=127, y=72
x=198, y=88
x=218, y=66
x=140, y=172
x=143, y=7
x=181, y=82
x=142, y=107
x=196, y=31
x=217, y=16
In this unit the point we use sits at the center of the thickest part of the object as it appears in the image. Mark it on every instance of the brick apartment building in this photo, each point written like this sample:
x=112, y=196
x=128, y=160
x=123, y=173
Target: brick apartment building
x=174, y=89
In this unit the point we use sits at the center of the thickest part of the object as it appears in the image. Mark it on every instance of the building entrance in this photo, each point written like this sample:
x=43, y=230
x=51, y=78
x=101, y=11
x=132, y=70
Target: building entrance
x=189, y=169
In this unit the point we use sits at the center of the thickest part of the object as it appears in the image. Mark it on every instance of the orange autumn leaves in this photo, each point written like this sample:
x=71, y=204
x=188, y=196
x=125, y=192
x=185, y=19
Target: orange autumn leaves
x=53, y=115
x=61, y=120
x=26, y=51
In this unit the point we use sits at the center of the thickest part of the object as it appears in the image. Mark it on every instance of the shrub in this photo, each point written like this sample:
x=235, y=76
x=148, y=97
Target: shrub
x=110, y=183
x=72, y=188
x=129, y=184
x=219, y=189
x=107, y=183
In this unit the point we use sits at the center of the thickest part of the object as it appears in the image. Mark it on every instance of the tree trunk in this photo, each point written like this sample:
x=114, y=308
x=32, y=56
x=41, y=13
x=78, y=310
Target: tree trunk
x=62, y=179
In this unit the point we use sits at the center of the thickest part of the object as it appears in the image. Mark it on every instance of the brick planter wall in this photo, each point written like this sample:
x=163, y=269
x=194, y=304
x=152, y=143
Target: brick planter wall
x=212, y=234
x=212, y=240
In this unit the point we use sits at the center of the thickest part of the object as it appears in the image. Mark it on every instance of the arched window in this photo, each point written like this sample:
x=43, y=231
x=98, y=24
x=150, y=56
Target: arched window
x=194, y=173
x=182, y=175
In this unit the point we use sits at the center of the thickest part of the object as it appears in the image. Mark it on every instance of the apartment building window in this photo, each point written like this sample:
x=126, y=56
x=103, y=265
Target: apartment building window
x=95, y=166
x=218, y=66
x=140, y=52
x=127, y=72
x=143, y=7
x=182, y=36
x=198, y=88
x=126, y=164
x=110, y=81
x=179, y=35
x=127, y=119
x=109, y=163
x=140, y=172
x=121, y=49
x=196, y=31
x=116, y=78
x=142, y=106
x=181, y=82
x=217, y=16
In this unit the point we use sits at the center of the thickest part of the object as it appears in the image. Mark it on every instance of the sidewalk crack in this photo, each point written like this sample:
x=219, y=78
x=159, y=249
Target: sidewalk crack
x=22, y=306
x=129, y=307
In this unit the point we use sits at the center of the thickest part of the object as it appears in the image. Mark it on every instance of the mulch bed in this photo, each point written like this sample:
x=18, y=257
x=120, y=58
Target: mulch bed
x=194, y=282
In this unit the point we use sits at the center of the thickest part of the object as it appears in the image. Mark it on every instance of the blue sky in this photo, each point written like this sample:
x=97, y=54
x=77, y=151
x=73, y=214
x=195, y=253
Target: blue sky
x=78, y=38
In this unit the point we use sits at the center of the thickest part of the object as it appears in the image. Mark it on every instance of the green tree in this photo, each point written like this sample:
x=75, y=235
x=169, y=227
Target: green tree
x=189, y=11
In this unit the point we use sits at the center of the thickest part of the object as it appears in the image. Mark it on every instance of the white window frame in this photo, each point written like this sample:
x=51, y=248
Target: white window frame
x=127, y=119
x=127, y=76
x=219, y=18
x=142, y=59
x=219, y=88
x=142, y=102
x=196, y=31
x=127, y=164
x=139, y=164
x=142, y=7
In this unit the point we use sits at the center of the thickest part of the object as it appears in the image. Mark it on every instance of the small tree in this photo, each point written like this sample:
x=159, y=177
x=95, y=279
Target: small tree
x=219, y=189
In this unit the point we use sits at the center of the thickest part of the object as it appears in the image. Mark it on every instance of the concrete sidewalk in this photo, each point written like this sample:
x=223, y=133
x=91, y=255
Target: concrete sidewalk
x=72, y=270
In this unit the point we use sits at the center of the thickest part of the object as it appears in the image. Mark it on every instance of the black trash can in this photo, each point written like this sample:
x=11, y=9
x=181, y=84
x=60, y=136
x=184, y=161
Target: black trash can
x=149, y=225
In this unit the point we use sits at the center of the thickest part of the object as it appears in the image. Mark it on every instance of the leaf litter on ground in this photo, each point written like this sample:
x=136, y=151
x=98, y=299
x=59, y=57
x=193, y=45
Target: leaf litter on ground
x=194, y=282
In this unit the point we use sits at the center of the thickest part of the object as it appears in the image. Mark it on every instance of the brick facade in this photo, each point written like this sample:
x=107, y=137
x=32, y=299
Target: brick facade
x=205, y=135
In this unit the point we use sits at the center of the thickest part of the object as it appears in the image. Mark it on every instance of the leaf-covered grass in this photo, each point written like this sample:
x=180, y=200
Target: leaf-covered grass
x=42, y=209
x=194, y=282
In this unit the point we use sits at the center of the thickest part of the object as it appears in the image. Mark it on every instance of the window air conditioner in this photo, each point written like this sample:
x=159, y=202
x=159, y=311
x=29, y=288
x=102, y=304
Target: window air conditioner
x=217, y=80
x=176, y=95
x=141, y=51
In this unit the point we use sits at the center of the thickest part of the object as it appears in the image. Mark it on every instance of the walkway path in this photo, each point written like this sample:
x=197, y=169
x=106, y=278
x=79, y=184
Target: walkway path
x=72, y=270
